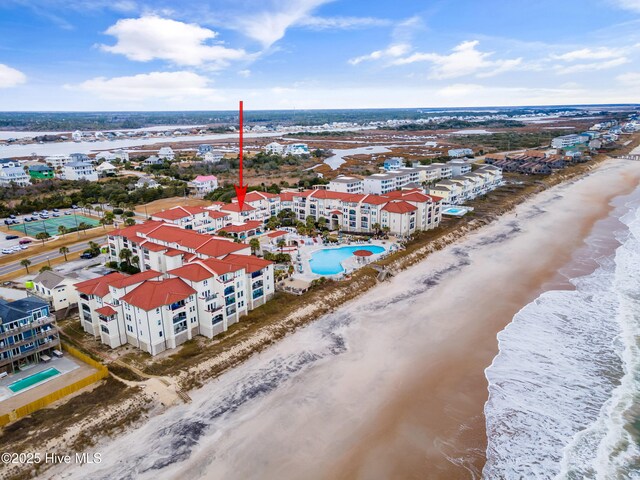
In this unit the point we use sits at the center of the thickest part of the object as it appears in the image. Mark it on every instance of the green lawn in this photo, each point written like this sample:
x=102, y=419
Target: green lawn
x=51, y=224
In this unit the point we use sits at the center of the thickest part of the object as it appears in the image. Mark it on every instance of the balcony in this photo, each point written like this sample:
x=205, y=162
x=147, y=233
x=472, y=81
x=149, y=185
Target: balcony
x=180, y=317
x=38, y=335
x=177, y=305
x=28, y=326
x=39, y=348
x=230, y=300
x=211, y=296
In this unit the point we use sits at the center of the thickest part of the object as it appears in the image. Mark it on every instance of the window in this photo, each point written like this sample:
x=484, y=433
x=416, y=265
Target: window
x=160, y=333
x=159, y=322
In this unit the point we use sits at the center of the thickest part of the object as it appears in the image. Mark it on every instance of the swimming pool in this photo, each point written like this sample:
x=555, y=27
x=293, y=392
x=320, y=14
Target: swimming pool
x=455, y=211
x=328, y=261
x=34, y=379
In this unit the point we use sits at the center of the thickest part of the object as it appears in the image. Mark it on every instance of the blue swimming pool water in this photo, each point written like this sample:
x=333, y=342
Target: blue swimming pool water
x=31, y=380
x=328, y=261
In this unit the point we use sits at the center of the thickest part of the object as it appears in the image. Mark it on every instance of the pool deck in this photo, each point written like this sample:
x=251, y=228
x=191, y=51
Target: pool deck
x=71, y=370
x=350, y=265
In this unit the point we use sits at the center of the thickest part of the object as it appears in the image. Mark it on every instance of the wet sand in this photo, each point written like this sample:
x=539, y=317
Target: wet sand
x=435, y=427
x=391, y=385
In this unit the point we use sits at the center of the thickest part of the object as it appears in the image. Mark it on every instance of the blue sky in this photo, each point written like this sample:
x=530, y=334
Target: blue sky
x=274, y=54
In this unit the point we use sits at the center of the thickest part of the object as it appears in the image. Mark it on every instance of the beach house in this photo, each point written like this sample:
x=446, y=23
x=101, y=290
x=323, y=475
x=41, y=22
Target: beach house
x=166, y=153
x=79, y=171
x=14, y=176
x=204, y=184
x=55, y=289
x=346, y=184
x=41, y=172
x=28, y=333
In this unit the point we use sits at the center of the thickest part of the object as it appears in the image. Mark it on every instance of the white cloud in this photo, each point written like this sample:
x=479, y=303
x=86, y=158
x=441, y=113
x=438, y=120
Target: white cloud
x=600, y=53
x=459, y=90
x=269, y=25
x=630, y=79
x=633, y=5
x=151, y=37
x=322, y=23
x=391, y=52
x=590, y=67
x=10, y=77
x=245, y=73
x=154, y=85
x=464, y=60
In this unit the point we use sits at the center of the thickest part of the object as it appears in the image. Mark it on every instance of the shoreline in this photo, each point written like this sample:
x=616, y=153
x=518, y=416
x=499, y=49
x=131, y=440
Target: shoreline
x=432, y=401
x=465, y=438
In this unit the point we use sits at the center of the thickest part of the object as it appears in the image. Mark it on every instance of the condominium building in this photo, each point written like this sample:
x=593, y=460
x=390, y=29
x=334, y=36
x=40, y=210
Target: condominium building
x=190, y=284
x=80, y=171
x=462, y=188
x=346, y=184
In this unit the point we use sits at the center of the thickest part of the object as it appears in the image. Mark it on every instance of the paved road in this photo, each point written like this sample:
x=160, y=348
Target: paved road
x=42, y=257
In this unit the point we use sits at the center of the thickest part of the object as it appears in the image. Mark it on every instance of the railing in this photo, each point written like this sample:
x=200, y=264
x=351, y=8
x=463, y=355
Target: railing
x=176, y=306
x=39, y=348
x=28, y=326
x=230, y=300
x=38, y=335
x=211, y=296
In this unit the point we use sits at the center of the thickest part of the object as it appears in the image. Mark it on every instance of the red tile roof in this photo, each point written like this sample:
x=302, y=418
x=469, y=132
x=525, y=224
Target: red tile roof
x=399, y=206
x=153, y=247
x=133, y=279
x=256, y=196
x=286, y=196
x=135, y=230
x=99, y=286
x=234, y=207
x=217, y=214
x=107, y=311
x=220, y=267
x=276, y=233
x=194, y=272
x=245, y=227
x=177, y=213
x=157, y=293
x=250, y=263
x=173, y=234
x=220, y=248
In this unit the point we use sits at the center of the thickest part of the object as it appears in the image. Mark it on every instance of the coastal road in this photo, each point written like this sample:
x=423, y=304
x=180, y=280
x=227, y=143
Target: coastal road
x=51, y=255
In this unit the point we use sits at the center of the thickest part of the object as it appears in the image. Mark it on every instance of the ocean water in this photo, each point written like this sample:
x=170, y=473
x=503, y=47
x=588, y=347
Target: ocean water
x=564, y=390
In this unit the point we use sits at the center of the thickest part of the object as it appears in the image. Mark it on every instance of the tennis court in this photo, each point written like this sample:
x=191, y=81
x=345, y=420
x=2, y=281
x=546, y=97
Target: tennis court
x=51, y=225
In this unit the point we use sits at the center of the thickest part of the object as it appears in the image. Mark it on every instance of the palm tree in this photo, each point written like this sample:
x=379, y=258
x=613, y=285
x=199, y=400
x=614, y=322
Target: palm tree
x=45, y=268
x=129, y=222
x=25, y=263
x=281, y=243
x=42, y=236
x=254, y=243
x=125, y=255
x=62, y=230
x=83, y=226
x=95, y=248
x=64, y=251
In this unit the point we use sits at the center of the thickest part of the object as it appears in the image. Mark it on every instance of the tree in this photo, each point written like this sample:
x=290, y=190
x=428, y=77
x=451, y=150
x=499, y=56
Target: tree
x=42, y=236
x=45, y=268
x=254, y=243
x=64, y=251
x=322, y=223
x=129, y=222
x=83, y=226
x=135, y=260
x=25, y=263
x=62, y=230
x=94, y=248
x=125, y=255
x=376, y=228
x=281, y=243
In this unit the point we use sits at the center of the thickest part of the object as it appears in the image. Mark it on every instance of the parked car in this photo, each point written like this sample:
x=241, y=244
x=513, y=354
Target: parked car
x=56, y=214
x=11, y=237
x=67, y=213
x=55, y=210
x=87, y=255
x=27, y=219
x=24, y=241
x=74, y=206
x=12, y=217
x=6, y=251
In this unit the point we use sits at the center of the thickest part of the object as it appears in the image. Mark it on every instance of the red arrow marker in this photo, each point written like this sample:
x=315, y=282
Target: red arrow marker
x=241, y=189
